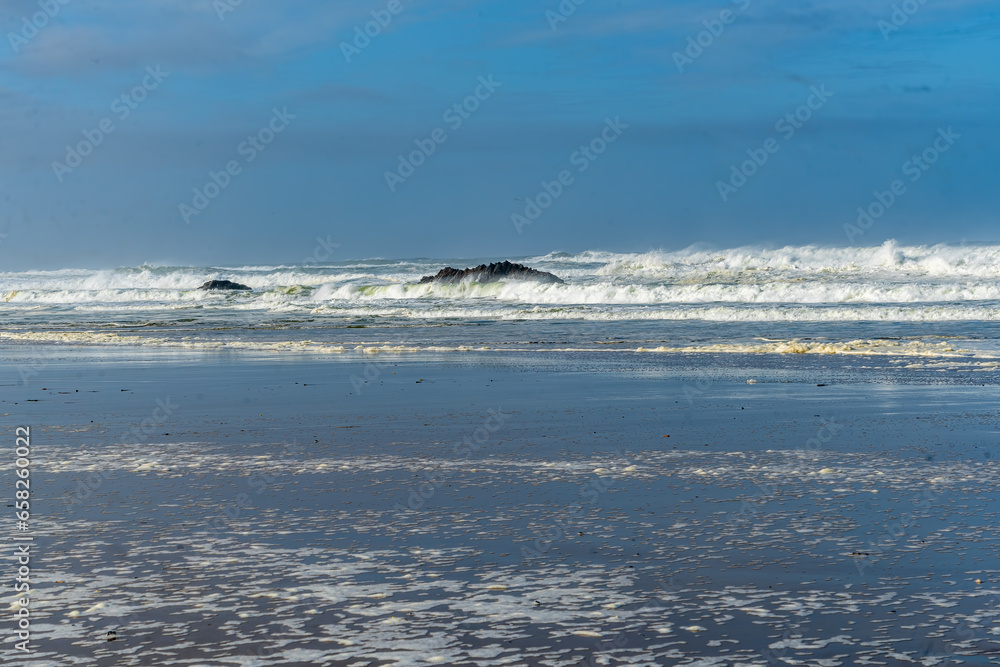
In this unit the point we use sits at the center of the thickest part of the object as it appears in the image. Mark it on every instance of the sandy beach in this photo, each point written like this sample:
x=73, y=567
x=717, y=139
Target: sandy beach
x=545, y=509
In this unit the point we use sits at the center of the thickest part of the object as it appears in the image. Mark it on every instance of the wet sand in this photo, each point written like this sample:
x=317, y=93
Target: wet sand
x=542, y=509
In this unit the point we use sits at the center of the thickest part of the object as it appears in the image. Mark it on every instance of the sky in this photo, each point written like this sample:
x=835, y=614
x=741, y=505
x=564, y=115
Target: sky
x=228, y=132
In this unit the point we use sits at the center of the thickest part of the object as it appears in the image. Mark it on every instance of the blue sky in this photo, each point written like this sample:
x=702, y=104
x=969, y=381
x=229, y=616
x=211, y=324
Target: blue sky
x=657, y=185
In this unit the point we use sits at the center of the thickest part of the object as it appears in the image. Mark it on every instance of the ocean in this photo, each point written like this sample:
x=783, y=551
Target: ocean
x=938, y=301
x=706, y=457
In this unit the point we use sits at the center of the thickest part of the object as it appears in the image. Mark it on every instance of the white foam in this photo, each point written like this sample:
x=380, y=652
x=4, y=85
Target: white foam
x=884, y=348
x=793, y=283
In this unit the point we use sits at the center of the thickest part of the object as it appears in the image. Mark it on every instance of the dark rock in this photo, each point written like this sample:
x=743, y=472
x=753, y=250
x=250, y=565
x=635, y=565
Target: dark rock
x=491, y=273
x=224, y=285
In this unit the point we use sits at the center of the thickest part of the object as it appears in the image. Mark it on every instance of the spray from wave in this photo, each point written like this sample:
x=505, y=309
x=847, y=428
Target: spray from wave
x=793, y=283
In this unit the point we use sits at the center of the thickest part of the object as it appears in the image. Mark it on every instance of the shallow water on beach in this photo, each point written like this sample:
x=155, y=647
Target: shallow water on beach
x=542, y=508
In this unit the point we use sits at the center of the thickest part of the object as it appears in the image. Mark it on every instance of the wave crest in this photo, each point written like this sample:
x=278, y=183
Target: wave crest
x=937, y=282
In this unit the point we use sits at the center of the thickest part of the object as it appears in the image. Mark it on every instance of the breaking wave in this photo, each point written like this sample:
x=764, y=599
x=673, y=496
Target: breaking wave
x=792, y=283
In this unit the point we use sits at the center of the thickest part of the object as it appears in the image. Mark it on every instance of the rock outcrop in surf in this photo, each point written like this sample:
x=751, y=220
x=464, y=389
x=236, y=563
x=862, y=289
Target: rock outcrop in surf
x=491, y=273
x=224, y=285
